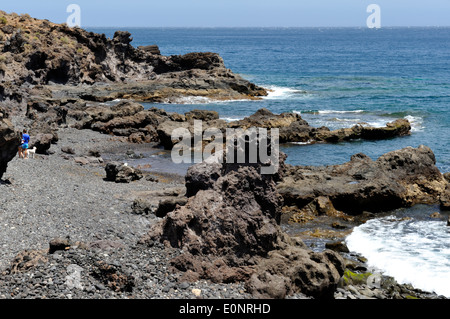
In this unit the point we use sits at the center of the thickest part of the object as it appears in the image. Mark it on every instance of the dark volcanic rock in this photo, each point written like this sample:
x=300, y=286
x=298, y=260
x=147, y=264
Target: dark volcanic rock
x=42, y=142
x=121, y=173
x=153, y=49
x=296, y=269
x=9, y=141
x=59, y=244
x=265, y=118
x=292, y=128
x=396, y=179
x=229, y=231
x=208, y=209
x=445, y=198
x=128, y=119
x=203, y=115
x=202, y=176
x=159, y=203
x=66, y=62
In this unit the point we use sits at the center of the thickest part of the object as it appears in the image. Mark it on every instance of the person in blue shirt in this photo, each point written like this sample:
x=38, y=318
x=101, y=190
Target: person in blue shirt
x=24, y=146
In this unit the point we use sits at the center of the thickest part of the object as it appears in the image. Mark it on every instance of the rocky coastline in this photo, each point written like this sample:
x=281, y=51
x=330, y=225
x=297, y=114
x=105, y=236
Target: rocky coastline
x=80, y=222
x=61, y=239
x=44, y=61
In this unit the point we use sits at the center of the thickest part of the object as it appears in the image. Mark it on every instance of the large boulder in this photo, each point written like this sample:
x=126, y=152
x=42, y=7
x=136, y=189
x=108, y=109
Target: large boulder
x=121, y=173
x=152, y=49
x=160, y=202
x=296, y=269
x=203, y=115
x=42, y=142
x=165, y=131
x=9, y=141
x=400, y=127
x=266, y=119
x=229, y=231
x=202, y=176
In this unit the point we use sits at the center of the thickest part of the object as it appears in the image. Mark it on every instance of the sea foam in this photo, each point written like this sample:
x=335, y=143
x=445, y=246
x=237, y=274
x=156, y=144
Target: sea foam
x=280, y=93
x=412, y=251
x=416, y=123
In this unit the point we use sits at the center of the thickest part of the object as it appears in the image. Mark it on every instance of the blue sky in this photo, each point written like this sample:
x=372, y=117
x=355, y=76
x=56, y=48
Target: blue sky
x=237, y=13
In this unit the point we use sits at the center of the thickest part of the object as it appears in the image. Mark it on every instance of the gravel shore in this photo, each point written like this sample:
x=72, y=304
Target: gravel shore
x=54, y=197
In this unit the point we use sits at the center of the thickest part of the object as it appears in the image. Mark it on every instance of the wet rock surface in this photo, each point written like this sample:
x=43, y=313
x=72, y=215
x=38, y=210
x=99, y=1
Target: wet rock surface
x=294, y=129
x=362, y=283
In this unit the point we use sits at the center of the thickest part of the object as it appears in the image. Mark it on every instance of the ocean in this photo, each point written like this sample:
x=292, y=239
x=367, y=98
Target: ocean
x=337, y=77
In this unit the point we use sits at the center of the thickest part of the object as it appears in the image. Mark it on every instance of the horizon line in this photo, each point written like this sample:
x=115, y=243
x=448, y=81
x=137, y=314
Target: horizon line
x=269, y=27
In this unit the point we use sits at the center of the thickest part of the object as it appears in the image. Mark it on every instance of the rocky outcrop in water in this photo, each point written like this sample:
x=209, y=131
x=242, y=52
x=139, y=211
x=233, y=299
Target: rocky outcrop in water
x=397, y=179
x=295, y=129
x=129, y=119
x=292, y=128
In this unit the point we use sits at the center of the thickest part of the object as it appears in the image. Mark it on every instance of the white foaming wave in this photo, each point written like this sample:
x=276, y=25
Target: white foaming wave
x=327, y=112
x=416, y=123
x=189, y=100
x=377, y=123
x=410, y=251
x=337, y=119
x=112, y=102
x=231, y=119
x=200, y=100
x=338, y=112
x=279, y=93
x=303, y=143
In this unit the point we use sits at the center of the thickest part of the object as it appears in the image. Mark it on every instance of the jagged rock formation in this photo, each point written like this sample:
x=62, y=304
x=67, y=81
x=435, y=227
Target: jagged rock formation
x=129, y=119
x=9, y=141
x=121, y=173
x=57, y=72
x=229, y=231
x=400, y=178
x=295, y=129
x=68, y=61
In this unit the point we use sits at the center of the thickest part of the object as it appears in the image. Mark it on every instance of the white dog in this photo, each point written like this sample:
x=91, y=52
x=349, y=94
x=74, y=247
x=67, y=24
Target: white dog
x=31, y=152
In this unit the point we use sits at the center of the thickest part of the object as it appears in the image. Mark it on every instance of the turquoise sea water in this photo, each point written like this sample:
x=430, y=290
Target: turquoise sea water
x=338, y=77
x=332, y=76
